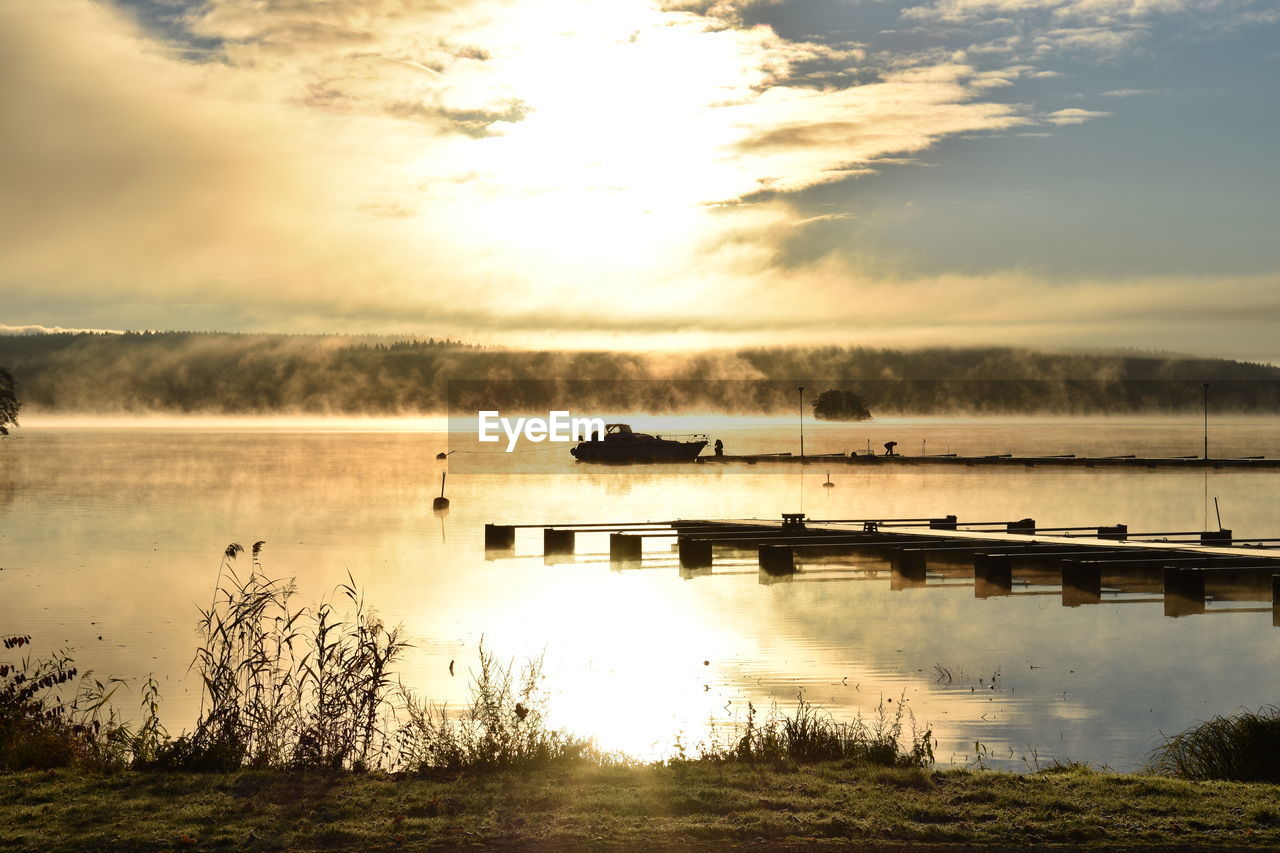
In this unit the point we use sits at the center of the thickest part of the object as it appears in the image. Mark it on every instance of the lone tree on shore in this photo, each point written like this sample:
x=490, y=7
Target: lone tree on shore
x=9, y=404
x=836, y=405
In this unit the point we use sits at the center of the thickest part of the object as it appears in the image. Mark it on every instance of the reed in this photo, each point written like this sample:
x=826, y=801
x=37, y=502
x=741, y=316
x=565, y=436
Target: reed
x=504, y=727
x=286, y=687
x=1242, y=747
x=810, y=734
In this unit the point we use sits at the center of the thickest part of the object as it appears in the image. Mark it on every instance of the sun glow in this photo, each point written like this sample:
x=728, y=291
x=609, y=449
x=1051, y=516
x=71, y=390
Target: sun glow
x=538, y=172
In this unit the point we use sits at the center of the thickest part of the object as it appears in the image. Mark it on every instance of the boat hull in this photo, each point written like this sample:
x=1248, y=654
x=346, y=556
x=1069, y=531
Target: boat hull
x=627, y=453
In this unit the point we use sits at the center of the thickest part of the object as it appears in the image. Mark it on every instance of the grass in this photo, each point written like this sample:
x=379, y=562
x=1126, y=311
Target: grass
x=578, y=805
x=306, y=740
x=1244, y=746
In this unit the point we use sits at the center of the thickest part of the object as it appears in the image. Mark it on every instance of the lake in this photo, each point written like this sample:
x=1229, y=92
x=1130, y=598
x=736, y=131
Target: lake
x=111, y=535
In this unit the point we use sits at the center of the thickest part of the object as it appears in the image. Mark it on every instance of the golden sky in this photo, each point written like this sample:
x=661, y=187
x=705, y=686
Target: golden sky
x=624, y=173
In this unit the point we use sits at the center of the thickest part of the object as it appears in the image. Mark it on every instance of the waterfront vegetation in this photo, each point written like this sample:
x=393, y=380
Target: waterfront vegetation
x=307, y=739
x=1244, y=746
x=314, y=688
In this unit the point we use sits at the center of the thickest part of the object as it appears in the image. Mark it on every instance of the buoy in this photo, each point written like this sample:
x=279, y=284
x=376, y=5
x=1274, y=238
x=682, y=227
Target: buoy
x=828, y=484
x=441, y=504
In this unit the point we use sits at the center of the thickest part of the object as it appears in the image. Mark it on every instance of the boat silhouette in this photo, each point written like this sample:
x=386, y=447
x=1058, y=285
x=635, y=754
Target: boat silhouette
x=621, y=446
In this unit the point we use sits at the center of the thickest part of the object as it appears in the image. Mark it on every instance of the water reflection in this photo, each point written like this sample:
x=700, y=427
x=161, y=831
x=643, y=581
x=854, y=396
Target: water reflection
x=118, y=534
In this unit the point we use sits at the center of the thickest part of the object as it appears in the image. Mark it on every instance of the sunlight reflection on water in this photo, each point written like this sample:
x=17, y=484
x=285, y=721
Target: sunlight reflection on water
x=117, y=533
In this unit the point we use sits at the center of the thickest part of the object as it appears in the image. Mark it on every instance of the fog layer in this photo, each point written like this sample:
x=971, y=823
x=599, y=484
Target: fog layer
x=206, y=373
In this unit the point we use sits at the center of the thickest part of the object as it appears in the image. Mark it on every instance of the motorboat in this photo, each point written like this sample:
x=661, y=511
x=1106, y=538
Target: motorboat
x=620, y=445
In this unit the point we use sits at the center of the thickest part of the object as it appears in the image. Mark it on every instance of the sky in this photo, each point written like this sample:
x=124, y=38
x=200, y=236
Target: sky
x=648, y=173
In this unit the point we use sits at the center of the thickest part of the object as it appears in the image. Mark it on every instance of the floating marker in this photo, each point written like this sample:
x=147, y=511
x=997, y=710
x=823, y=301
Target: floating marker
x=441, y=504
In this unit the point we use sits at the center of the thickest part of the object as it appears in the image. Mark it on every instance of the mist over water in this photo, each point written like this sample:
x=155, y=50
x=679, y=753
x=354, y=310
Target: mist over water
x=271, y=374
x=118, y=532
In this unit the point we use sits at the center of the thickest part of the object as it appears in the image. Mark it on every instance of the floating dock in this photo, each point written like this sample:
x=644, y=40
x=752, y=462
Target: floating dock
x=1187, y=569
x=1005, y=459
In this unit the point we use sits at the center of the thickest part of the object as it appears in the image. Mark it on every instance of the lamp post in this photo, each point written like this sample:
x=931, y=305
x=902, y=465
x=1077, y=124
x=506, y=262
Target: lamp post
x=801, y=390
x=1204, y=386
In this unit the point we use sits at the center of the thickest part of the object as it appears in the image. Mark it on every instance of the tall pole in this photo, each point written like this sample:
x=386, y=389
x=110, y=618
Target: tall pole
x=801, y=390
x=1205, y=387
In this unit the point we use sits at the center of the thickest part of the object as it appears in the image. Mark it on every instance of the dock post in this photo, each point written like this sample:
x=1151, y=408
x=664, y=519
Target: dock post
x=694, y=553
x=557, y=541
x=1023, y=525
x=624, y=548
x=1275, y=600
x=1119, y=532
x=777, y=559
x=992, y=575
x=1183, y=591
x=908, y=570
x=499, y=537
x=1216, y=537
x=945, y=523
x=1081, y=583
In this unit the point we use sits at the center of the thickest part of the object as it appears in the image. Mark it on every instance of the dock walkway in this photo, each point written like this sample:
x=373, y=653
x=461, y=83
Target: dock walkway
x=1187, y=568
x=998, y=459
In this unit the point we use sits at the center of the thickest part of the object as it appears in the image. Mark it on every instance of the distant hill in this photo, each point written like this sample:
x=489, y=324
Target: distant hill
x=214, y=373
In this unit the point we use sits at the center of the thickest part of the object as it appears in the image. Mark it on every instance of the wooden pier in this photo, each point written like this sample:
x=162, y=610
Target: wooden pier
x=1186, y=568
x=997, y=459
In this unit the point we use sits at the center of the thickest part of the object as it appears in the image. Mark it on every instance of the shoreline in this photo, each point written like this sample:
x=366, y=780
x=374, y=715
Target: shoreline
x=691, y=805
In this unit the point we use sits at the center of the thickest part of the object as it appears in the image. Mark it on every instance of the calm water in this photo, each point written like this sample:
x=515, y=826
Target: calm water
x=117, y=533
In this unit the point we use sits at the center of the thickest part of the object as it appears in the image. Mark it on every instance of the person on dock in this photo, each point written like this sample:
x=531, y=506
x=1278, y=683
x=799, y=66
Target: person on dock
x=719, y=447
x=888, y=448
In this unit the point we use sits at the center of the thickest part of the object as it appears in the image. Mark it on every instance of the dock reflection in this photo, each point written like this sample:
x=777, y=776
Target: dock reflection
x=1209, y=573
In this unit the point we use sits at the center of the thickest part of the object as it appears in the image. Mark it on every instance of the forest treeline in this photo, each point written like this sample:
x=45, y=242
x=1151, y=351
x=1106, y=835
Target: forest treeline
x=215, y=373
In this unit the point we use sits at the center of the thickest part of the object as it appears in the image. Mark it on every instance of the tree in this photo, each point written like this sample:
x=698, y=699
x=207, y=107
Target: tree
x=9, y=404
x=836, y=405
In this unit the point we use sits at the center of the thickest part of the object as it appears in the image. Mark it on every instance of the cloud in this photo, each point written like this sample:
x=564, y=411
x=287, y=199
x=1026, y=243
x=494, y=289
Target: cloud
x=368, y=161
x=1102, y=40
x=1023, y=308
x=799, y=138
x=33, y=329
x=546, y=169
x=1130, y=93
x=963, y=11
x=1074, y=116
x=1105, y=27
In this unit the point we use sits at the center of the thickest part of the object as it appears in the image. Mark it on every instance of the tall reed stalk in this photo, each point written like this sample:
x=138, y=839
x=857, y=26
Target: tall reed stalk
x=284, y=687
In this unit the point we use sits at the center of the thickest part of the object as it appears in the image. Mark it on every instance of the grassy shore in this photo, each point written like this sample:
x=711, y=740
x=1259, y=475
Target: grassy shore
x=698, y=805
x=311, y=696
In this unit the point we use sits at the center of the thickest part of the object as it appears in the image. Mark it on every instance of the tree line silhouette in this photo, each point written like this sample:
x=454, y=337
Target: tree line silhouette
x=218, y=373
